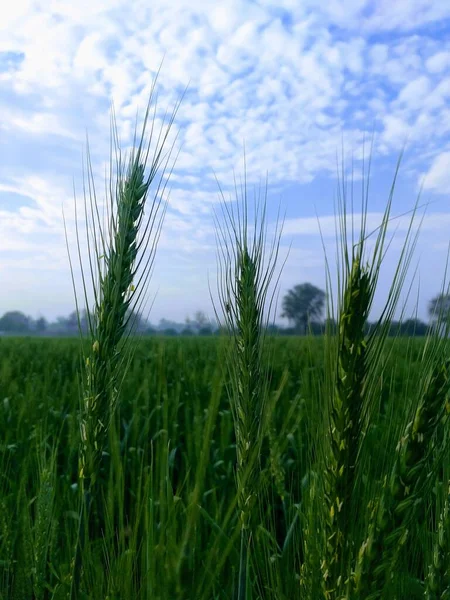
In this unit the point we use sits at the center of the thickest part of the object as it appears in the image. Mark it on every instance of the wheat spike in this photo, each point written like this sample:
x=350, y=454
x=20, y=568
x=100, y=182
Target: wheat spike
x=243, y=288
x=101, y=365
x=120, y=267
x=345, y=427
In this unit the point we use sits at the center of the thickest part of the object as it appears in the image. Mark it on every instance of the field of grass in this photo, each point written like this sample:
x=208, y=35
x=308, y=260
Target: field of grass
x=170, y=528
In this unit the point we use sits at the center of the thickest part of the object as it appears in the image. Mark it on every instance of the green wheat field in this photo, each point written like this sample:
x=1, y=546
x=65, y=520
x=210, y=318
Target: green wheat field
x=242, y=466
x=171, y=527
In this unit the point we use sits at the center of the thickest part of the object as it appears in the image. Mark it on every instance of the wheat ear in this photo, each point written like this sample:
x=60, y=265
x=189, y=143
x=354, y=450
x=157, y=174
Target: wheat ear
x=345, y=427
x=243, y=289
x=353, y=363
x=120, y=267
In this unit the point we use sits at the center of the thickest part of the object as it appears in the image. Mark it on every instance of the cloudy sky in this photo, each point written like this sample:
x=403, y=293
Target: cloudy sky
x=299, y=83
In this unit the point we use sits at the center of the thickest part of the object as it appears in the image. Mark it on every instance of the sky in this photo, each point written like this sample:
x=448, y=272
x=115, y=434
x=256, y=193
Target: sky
x=304, y=87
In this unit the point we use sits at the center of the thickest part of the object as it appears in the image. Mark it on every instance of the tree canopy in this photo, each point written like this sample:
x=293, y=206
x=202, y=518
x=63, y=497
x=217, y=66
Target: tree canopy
x=15, y=321
x=302, y=304
x=439, y=307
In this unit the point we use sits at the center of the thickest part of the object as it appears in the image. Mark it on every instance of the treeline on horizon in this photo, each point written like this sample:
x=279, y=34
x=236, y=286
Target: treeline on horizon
x=17, y=323
x=303, y=306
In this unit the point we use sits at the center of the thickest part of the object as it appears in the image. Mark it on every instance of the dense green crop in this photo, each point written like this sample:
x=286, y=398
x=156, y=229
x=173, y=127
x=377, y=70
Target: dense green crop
x=169, y=471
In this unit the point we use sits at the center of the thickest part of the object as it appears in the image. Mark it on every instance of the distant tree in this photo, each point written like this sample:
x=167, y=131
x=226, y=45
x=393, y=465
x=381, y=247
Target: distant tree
x=166, y=324
x=41, y=324
x=272, y=329
x=15, y=321
x=439, y=308
x=288, y=331
x=303, y=303
x=61, y=325
x=316, y=328
x=71, y=323
x=221, y=329
x=201, y=319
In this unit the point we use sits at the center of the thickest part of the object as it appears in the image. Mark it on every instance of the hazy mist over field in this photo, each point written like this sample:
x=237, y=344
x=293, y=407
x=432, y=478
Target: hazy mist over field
x=291, y=80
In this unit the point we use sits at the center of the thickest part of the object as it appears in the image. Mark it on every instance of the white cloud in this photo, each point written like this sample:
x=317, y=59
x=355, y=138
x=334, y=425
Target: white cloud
x=438, y=98
x=384, y=15
x=438, y=62
x=42, y=123
x=395, y=131
x=327, y=225
x=303, y=72
x=413, y=94
x=438, y=176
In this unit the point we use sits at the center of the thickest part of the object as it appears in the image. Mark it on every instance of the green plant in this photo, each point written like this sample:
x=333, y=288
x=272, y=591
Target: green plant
x=405, y=492
x=42, y=530
x=245, y=277
x=303, y=303
x=437, y=584
x=119, y=264
x=353, y=366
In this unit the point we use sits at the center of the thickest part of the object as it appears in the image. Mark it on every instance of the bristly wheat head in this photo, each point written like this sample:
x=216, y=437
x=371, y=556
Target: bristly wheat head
x=243, y=287
x=120, y=269
x=353, y=359
x=116, y=295
x=346, y=424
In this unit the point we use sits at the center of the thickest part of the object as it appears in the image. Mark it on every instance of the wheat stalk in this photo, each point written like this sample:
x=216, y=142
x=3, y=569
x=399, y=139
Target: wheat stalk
x=346, y=424
x=22, y=585
x=244, y=279
x=120, y=269
x=101, y=365
x=353, y=365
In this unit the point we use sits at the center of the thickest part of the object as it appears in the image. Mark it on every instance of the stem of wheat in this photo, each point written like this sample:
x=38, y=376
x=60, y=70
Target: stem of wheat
x=243, y=290
x=100, y=396
x=118, y=292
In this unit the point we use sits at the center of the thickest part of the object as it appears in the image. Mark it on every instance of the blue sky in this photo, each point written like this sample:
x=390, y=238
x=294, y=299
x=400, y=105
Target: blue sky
x=289, y=79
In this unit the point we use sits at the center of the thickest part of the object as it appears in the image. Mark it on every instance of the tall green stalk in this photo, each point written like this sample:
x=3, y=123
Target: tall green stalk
x=346, y=424
x=353, y=367
x=245, y=278
x=120, y=262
